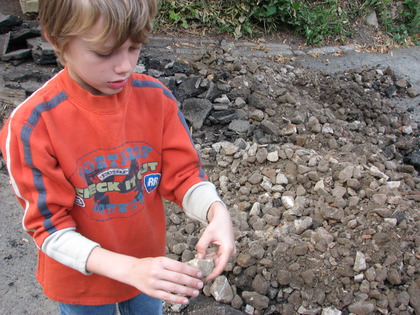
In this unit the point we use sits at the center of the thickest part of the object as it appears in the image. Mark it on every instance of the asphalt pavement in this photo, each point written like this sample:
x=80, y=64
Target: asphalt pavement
x=405, y=63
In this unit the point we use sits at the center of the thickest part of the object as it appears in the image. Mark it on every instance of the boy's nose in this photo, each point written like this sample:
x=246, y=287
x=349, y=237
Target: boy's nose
x=123, y=64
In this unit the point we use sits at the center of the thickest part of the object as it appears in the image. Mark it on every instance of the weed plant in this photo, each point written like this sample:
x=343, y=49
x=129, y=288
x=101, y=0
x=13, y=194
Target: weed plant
x=316, y=20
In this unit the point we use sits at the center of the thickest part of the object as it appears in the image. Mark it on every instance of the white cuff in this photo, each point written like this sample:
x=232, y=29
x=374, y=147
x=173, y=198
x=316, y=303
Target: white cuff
x=69, y=248
x=198, y=199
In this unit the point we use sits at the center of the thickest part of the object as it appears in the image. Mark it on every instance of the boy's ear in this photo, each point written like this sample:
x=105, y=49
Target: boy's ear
x=47, y=38
x=60, y=58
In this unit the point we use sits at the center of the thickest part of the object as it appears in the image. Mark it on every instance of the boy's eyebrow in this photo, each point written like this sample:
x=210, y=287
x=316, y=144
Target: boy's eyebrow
x=108, y=48
x=99, y=47
x=102, y=48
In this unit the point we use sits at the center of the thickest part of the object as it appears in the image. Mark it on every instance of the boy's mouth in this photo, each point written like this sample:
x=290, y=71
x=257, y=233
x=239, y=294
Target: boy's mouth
x=117, y=84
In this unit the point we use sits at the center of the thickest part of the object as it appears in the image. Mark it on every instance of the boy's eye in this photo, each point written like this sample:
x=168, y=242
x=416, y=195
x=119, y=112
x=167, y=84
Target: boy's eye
x=103, y=54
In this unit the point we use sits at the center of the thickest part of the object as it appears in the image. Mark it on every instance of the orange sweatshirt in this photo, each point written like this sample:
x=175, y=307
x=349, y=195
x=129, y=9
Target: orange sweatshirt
x=92, y=170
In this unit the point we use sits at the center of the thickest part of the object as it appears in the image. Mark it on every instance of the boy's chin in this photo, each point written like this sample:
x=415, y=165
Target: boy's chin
x=104, y=91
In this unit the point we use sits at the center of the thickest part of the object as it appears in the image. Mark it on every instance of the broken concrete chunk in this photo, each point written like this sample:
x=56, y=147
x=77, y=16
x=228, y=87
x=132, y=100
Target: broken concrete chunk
x=17, y=55
x=42, y=51
x=8, y=22
x=4, y=43
x=205, y=265
x=29, y=6
x=24, y=33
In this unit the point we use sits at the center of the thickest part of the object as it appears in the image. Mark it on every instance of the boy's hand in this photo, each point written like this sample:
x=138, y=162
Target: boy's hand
x=166, y=279
x=219, y=232
x=158, y=277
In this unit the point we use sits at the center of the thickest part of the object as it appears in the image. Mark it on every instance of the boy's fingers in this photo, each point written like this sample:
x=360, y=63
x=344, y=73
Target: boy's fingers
x=184, y=290
x=179, y=279
x=180, y=269
x=166, y=296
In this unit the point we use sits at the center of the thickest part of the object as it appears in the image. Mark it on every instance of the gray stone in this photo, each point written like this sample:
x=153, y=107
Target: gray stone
x=413, y=92
x=12, y=96
x=383, y=212
x=380, y=199
x=309, y=277
x=284, y=277
x=359, y=262
x=8, y=23
x=240, y=126
x=196, y=110
x=19, y=54
x=4, y=43
x=255, y=299
x=205, y=265
x=302, y=225
x=207, y=305
x=270, y=127
x=256, y=250
x=221, y=290
x=255, y=178
x=362, y=308
x=372, y=19
x=329, y=213
x=42, y=52
x=229, y=148
x=414, y=292
x=304, y=311
x=260, y=284
x=394, y=276
x=257, y=115
x=261, y=155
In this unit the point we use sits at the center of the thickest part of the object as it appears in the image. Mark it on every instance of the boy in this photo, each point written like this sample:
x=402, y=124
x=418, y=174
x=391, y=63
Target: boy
x=90, y=156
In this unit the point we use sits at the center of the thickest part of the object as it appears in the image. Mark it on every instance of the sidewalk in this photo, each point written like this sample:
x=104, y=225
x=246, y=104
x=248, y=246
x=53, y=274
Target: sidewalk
x=406, y=61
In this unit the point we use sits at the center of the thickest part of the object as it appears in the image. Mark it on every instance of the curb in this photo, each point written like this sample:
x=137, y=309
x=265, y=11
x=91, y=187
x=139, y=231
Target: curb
x=168, y=45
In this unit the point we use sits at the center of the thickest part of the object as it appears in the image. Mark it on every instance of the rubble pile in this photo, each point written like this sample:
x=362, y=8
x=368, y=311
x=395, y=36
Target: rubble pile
x=320, y=173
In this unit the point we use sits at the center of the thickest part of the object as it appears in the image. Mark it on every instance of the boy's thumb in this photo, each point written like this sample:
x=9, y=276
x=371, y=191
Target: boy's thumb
x=201, y=248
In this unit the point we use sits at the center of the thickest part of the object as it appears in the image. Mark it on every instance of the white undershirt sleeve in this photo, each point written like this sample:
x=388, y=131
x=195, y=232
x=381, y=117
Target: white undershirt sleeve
x=198, y=200
x=69, y=248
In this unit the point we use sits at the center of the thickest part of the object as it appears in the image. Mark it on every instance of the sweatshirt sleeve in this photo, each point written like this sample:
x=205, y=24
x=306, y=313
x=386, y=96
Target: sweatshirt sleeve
x=42, y=190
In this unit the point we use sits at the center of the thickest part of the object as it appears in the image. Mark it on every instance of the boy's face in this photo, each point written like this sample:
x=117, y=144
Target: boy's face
x=96, y=67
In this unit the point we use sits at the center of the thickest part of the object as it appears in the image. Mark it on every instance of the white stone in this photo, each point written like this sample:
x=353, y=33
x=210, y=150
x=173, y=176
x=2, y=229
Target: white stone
x=256, y=209
x=302, y=225
x=359, y=262
x=221, y=290
x=331, y=311
x=288, y=202
x=273, y=156
x=281, y=179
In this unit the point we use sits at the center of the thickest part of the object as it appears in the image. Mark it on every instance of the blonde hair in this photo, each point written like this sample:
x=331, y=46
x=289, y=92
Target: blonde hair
x=61, y=20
